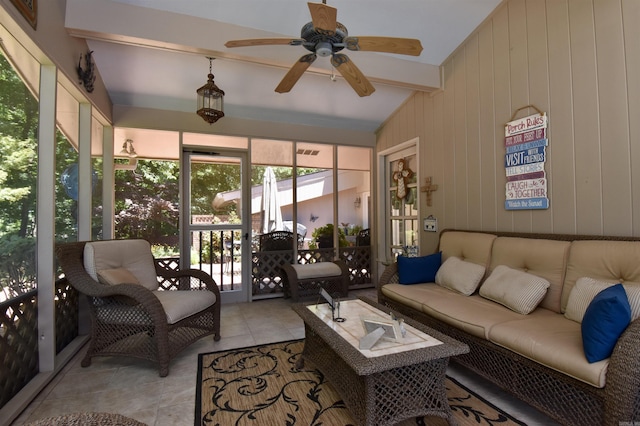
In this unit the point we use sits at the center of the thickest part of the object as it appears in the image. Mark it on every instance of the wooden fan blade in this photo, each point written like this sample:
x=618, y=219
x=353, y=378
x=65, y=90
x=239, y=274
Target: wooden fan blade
x=402, y=46
x=295, y=73
x=324, y=18
x=352, y=74
x=263, y=42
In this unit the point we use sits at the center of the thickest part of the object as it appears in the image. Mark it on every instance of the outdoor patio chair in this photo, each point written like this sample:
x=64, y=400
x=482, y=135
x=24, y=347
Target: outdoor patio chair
x=276, y=240
x=275, y=249
x=363, y=238
x=137, y=307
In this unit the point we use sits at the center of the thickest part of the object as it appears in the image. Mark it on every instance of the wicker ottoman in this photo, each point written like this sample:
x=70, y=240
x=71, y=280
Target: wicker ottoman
x=304, y=280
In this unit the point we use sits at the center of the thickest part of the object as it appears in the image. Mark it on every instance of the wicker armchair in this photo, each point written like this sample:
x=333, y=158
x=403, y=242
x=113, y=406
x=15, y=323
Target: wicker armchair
x=138, y=308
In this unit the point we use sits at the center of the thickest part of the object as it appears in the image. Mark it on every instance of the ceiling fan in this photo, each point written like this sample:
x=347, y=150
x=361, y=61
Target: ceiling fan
x=324, y=36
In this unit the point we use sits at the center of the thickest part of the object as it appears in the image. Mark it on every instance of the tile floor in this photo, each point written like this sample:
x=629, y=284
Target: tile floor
x=134, y=389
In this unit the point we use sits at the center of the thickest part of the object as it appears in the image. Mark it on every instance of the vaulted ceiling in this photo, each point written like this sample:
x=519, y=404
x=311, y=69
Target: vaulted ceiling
x=153, y=54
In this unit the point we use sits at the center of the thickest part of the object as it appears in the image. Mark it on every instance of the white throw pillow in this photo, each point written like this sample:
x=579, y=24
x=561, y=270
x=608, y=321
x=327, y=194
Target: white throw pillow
x=587, y=288
x=459, y=275
x=517, y=290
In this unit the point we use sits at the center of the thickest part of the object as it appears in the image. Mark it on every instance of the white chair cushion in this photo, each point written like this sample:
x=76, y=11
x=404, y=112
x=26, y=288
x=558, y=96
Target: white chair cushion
x=317, y=270
x=133, y=255
x=181, y=304
x=460, y=275
x=177, y=304
x=517, y=290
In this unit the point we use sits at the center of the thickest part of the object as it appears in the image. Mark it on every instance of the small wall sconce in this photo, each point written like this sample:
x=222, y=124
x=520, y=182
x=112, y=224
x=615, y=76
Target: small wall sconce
x=357, y=202
x=129, y=151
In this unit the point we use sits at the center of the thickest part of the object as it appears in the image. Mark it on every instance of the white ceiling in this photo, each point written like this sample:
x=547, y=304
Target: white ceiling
x=153, y=54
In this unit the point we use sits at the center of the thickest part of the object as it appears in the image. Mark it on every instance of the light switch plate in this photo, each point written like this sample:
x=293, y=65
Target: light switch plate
x=430, y=224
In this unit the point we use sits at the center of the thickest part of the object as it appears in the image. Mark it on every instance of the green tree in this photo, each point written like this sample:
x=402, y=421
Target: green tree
x=18, y=177
x=18, y=107
x=17, y=196
x=207, y=180
x=147, y=202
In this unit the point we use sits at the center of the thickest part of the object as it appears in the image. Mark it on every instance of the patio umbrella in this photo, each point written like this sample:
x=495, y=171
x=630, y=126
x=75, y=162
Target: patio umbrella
x=271, y=214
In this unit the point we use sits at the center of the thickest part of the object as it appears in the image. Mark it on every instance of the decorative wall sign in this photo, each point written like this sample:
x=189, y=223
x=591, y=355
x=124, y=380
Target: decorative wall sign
x=28, y=9
x=525, y=156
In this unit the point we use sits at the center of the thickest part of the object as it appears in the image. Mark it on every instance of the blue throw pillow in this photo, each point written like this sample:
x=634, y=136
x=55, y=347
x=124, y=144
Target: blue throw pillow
x=605, y=319
x=414, y=270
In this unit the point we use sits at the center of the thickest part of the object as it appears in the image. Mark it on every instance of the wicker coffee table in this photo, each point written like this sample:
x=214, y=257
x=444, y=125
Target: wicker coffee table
x=391, y=382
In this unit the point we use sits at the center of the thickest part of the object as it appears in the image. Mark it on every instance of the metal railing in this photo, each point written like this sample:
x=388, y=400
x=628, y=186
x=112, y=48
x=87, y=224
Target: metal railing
x=217, y=253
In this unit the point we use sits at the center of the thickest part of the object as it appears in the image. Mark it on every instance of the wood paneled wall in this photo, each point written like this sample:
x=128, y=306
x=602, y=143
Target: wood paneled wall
x=577, y=60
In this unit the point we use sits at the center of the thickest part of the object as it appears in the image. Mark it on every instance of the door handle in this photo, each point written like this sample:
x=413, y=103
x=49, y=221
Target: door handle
x=246, y=236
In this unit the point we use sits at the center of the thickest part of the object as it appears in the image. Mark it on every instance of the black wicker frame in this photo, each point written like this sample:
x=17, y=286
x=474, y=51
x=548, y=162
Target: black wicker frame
x=128, y=319
x=563, y=398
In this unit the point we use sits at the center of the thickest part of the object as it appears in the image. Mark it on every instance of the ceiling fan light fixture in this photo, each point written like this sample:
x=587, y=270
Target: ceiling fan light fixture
x=324, y=49
x=210, y=100
x=325, y=36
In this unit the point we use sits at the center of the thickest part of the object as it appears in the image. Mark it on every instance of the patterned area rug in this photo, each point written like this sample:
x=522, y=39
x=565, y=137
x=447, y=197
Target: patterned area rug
x=261, y=386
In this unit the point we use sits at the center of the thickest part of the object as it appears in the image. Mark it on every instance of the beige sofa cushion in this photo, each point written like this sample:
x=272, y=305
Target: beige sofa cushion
x=472, y=314
x=411, y=295
x=519, y=291
x=473, y=247
x=553, y=341
x=459, y=275
x=540, y=257
x=133, y=255
x=602, y=260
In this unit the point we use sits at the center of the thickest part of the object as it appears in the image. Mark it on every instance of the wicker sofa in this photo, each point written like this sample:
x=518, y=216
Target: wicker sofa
x=537, y=356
